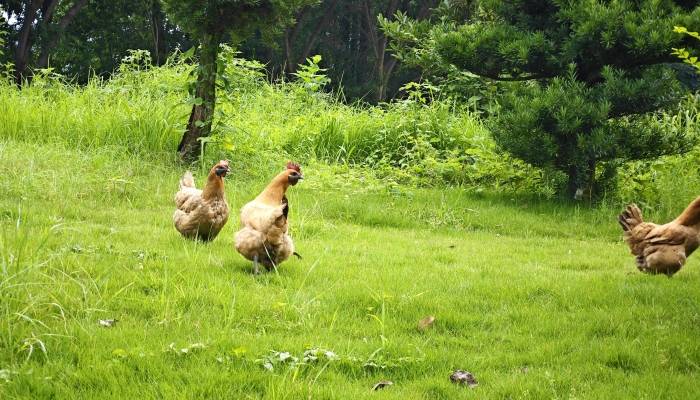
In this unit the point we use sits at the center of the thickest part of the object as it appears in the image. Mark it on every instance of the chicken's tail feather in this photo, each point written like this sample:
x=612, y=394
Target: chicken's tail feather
x=187, y=180
x=631, y=217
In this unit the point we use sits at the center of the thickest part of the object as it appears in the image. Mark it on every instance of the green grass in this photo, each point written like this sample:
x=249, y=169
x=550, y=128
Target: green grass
x=537, y=299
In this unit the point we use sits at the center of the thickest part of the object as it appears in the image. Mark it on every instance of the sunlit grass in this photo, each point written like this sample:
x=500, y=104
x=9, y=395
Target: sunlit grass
x=538, y=300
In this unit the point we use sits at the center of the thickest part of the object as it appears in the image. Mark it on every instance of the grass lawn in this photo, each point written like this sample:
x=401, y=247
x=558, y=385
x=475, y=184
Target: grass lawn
x=537, y=300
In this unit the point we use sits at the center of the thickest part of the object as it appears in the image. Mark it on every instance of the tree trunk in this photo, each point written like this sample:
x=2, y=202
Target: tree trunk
x=580, y=183
x=24, y=42
x=200, y=121
x=379, y=44
x=158, y=28
x=388, y=68
x=313, y=37
x=290, y=36
x=58, y=30
x=573, y=183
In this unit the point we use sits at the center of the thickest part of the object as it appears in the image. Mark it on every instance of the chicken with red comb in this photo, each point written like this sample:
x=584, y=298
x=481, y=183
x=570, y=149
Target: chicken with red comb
x=264, y=236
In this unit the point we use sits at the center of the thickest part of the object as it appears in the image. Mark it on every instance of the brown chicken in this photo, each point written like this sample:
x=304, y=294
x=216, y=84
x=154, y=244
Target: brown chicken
x=263, y=237
x=201, y=214
x=662, y=249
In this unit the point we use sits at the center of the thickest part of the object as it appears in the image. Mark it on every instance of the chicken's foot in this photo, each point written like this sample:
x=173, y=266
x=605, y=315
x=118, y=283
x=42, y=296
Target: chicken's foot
x=256, y=267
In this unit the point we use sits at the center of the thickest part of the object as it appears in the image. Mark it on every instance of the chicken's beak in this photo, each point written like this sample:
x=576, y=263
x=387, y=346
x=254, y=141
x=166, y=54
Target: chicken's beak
x=222, y=171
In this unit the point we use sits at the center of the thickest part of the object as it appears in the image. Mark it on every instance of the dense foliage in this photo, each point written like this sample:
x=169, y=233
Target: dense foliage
x=210, y=22
x=420, y=141
x=80, y=38
x=684, y=54
x=596, y=73
x=406, y=143
x=582, y=117
x=345, y=32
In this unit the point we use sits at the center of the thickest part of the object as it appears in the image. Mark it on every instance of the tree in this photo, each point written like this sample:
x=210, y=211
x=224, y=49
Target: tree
x=384, y=63
x=96, y=42
x=43, y=19
x=585, y=78
x=346, y=33
x=211, y=22
x=291, y=34
x=79, y=39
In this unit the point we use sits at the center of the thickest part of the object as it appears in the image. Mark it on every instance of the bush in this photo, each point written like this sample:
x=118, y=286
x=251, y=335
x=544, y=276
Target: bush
x=259, y=125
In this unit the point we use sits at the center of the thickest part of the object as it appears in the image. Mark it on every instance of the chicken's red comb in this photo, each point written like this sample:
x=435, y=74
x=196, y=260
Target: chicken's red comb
x=294, y=166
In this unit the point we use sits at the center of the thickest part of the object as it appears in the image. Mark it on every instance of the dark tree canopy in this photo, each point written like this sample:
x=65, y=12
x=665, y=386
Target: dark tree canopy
x=238, y=18
x=344, y=32
x=37, y=26
x=585, y=75
x=82, y=38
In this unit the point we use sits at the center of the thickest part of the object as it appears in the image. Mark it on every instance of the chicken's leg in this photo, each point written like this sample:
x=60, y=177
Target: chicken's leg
x=256, y=268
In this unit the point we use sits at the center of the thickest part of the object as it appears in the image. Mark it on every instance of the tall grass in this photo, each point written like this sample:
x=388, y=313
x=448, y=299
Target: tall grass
x=139, y=114
x=537, y=299
x=142, y=111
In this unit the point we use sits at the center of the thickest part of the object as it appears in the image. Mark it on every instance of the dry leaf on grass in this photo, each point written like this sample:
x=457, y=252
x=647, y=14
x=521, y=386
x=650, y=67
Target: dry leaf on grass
x=426, y=323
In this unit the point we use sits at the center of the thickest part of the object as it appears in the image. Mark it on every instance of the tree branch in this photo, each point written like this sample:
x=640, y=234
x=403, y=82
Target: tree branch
x=24, y=42
x=46, y=48
x=71, y=13
x=47, y=10
x=327, y=15
x=290, y=35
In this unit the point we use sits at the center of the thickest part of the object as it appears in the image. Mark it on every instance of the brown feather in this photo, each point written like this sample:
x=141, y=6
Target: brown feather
x=264, y=223
x=661, y=248
x=201, y=214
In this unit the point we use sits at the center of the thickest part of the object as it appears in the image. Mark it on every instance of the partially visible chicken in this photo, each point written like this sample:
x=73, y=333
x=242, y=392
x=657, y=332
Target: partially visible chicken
x=263, y=237
x=201, y=214
x=662, y=248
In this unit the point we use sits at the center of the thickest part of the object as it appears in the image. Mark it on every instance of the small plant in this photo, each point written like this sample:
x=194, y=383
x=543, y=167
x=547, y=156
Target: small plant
x=136, y=60
x=378, y=360
x=311, y=75
x=420, y=92
x=277, y=359
x=194, y=347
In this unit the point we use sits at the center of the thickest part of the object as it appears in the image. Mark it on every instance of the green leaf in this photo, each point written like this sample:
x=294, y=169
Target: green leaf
x=189, y=53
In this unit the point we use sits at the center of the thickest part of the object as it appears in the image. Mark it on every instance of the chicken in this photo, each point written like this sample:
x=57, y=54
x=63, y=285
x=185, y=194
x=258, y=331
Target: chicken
x=662, y=248
x=201, y=214
x=263, y=237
